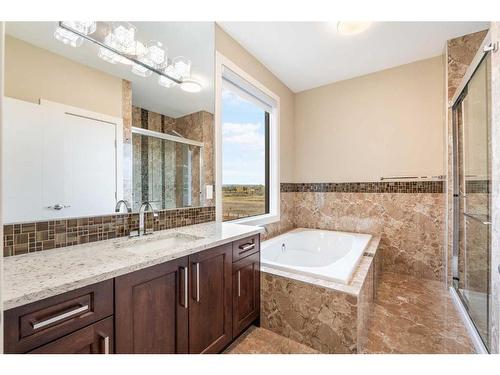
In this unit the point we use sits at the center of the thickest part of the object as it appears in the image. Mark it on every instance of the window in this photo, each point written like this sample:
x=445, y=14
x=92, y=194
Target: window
x=248, y=184
x=245, y=157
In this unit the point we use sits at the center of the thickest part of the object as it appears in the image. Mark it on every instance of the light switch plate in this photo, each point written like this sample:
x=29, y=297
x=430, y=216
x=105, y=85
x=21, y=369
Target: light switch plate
x=209, y=191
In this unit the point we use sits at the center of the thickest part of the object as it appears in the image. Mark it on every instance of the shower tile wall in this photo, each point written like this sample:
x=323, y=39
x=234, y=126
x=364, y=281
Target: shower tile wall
x=197, y=126
x=459, y=54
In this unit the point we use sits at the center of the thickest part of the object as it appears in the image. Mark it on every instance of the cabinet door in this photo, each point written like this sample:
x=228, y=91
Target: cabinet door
x=94, y=339
x=151, y=309
x=246, y=292
x=210, y=311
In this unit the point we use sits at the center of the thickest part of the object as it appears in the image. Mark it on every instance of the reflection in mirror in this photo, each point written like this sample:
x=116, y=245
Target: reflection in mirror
x=98, y=112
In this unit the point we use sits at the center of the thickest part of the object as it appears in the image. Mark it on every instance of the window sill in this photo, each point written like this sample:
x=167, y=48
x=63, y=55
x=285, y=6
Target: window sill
x=257, y=220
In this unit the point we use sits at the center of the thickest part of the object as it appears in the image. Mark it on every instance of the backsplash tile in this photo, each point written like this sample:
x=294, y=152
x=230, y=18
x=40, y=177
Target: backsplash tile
x=365, y=187
x=44, y=235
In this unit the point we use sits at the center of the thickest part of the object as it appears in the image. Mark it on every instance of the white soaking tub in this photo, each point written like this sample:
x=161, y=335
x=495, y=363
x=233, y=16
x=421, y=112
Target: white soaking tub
x=322, y=254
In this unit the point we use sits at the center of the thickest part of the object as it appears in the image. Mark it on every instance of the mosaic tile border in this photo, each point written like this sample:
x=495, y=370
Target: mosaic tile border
x=366, y=187
x=478, y=186
x=45, y=235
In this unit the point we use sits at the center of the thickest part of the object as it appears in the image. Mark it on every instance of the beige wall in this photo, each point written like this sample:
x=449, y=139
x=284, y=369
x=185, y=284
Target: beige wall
x=383, y=124
x=32, y=73
x=240, y=56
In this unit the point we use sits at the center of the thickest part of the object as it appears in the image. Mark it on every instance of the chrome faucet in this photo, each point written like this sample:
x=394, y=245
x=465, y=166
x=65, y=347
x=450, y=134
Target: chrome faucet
x=125, y=203
x=142, y=211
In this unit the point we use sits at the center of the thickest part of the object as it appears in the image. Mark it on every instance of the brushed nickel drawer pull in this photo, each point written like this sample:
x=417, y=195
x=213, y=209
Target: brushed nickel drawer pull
x=246, y=247
x=106, y=344
x=58, y=318
x=198, y=282
x=186, y=289
x=239, y=283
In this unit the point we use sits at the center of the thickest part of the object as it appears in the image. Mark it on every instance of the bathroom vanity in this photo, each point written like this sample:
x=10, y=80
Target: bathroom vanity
x=195, y=296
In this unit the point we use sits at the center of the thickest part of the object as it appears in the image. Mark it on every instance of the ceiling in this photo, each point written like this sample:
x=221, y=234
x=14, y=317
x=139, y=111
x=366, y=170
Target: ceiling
x=304, y=55
x=194, y=40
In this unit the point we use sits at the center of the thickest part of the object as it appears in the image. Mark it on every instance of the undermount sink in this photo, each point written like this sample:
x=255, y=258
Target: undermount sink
x=154, y=242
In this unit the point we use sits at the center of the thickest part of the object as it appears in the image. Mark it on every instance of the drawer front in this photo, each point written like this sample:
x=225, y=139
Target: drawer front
x=94, y=339
x=245, y=247
x=35, y=324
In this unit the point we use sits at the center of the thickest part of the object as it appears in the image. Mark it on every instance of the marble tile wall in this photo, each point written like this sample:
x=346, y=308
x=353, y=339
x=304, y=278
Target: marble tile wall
x=411, y=224
x=459, y=54
x=326, y=316
x=320, y=318
x=287, y=217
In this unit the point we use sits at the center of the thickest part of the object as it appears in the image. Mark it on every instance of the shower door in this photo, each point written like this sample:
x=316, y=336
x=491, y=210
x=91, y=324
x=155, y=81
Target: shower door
x=472, y=186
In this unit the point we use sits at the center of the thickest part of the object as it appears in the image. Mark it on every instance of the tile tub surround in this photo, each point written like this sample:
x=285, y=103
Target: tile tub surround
x=409, y=216
x=45, y=235
x=35, y=276
x=411, y=225
x=327, y=316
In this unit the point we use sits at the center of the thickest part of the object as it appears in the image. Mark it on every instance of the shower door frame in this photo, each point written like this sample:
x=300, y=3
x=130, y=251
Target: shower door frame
x=483, y=53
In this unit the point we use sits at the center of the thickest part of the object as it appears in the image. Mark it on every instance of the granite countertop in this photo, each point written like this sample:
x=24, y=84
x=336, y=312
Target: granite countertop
x=35, y=276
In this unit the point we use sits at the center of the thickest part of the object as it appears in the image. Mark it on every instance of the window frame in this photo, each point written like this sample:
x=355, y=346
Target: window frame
x=222, y=62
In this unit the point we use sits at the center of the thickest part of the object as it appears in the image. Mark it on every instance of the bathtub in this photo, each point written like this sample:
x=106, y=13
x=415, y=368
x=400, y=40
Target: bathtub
x=323, y=254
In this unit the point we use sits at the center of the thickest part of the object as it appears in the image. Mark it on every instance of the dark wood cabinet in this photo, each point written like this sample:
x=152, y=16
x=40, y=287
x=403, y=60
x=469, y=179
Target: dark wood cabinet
x=94, y=339
x=195, y=304
x=246, y=292
x=38, y=323
x=151, y=309
x=210, y=313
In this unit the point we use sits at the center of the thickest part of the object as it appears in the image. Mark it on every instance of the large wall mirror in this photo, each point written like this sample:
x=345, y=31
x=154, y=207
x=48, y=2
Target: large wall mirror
x=99, y=112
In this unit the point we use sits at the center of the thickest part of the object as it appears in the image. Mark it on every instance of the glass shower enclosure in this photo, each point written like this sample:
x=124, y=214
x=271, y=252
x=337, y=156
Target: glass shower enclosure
x=471, y=194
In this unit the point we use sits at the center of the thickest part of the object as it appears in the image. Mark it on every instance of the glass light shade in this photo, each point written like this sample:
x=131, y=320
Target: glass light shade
x=190, y=85
x=182, y=66
x=108, y=56
x=351, y=28
x=165, y=82
x=155, y=54
x=83, y=27
x=152, y=55
x=122, y=38
x=67, y=37
x=140, y=70
x=111, y=56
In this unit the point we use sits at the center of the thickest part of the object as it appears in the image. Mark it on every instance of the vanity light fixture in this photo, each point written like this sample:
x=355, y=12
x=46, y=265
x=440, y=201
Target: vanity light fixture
x=152, y=54
x=117, y=44
x=67, y=37
x=351, y=27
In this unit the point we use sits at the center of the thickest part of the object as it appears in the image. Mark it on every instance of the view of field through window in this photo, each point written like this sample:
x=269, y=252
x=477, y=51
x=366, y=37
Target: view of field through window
x=243, y=157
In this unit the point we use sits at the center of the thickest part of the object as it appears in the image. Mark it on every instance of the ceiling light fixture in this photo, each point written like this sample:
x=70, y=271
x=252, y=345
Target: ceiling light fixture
x=352, y=28
x=117, y=44
x=190, y=85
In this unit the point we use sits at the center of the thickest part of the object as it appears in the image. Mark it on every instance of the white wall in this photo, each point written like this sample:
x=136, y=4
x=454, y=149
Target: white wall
x=383, y=124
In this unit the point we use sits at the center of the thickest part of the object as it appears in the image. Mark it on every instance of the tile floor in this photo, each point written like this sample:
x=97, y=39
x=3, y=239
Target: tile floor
x=262, y=341
x=410, y=316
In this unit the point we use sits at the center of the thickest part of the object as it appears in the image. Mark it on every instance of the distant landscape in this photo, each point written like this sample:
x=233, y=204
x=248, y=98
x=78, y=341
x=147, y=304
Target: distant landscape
x=240, y=201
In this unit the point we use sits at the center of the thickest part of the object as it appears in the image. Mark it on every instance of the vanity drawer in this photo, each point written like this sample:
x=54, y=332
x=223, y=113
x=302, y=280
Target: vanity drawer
x=35, y=324
x=245, y=247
